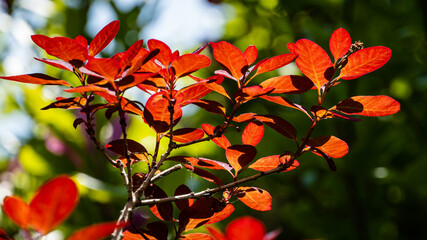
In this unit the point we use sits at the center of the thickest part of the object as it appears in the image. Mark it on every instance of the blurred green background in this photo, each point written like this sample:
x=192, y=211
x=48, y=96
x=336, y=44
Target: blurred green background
x=380, y=188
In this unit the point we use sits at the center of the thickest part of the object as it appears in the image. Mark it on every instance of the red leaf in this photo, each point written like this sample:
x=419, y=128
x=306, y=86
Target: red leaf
x=322, y=113
x=118, y=147
x=133, y=80
x=288, y=84
x=196, y=236
x=184, y=135
x=313, y=62
x=163, y=211
x=329, y=145
x=371, y=106
x=270, y=162
x=245, y=228
x=210, y=106
x=50, y=206
x=365, y=61
x=104, y=37
x=129, y=55
x=339, y=43
x=57, y=63
x=217, y=234
x=193, y=92
x=253, y=133
x=87, y=88
x=279, y=124
x=165, y=55
x=244, y=117
x=97, y=231
x=202, y=162
x=284, y=102
x=291, y=47
x=239, y=156
x=189, y=63
x=248, y=93
x=17, y=210
x=66, y=49
x=106, y=67
x=37, y=78
x=255, y=198
x=204, y=174
x=231, y=58
x=40, y=40
x=156, y=112
x=251, y=54
x=275, y=62
x=128, y=235
x=81, y=40
x=4, y=235
x=221, y=141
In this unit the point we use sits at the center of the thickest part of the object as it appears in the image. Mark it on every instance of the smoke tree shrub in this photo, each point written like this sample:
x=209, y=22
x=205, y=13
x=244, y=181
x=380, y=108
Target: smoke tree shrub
x=157, y=70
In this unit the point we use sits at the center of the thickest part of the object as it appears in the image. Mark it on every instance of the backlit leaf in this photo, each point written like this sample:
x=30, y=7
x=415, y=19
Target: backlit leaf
x=245, y=228
x=274, y=63
x=40, y=40
x=193, y=93
x=339, y=43
x=17, y=210
x=365, y=61
x=284, y=102
x=104, y=37
x=239, y=156
x=87, y=88
x=253, y=133
x=37, y=78
x=231, y=58
x=313, y=62
x=204, y=174
x=50, y=206
x=271, y=162
x=221, y=141
x=57, y=63
x=189, y=63
x=96, y=231
x=248, y=93
x=67, y=103
x=157, y=115
x=288, y=84
x=106, y=67
x=202, y=162
x=196, y=236
x=371, y=106
x=330, y=145
x=255, y=198
x=251, y=54
x=184, y=135
x=66, y=49
x=165, y=53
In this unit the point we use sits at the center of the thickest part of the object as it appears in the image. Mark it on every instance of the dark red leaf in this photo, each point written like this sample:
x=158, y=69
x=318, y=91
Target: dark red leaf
x=231, y=58
x=253, y=133
x=157, y=115
x=365, y=61
x=279, y=124
x=210, y=106
x=104, y=37
x=313, y=62
x=163, y=211
x=118, y=147
x=205, y=174
x=183, y=203
x=255, y=198
x=50, y=206
x=239, y=156
x=37, y=78
x=371, y=106
x=339, y=43
x=159, y=230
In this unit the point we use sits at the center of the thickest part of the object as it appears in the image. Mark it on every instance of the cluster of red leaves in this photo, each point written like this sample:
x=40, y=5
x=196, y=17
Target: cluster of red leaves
x=50, y=206
x=156, y=71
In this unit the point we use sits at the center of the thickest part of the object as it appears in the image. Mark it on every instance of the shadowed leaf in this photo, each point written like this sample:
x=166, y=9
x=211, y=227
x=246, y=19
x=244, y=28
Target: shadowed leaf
x=279, y=124
x=204, y=174
x=37, y=78
x=255, y=198
x=163, y=211
x=288, y=84
x=183, y=203
x=248, y=93
x=371, y=106
x=67, y=103
x=239, y=156
x=329, y=145
x=157, y=115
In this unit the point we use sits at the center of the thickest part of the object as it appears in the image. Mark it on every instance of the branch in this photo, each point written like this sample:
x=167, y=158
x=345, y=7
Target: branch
x=166, y=172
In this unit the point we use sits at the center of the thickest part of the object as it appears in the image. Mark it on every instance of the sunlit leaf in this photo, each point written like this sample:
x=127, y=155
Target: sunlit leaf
x=57, y=63
x=231, y=58
x=371, y=106
x=165, y=55
x=313, y=62
x=245, y=228
x=217, y=234
x=271, y=162
x=106, y=67
x=288, y=84
x=339, y=43
x=329, y=145
x=196, y=236
x=66, y=49
x=17, y=210
x=251, y=54
x=244, y=117
x=87, y=88
x=96, y=231
x=248, y=93
x=274, y=63
x=37, y=78
x=221, y=141
x=193, y=92
x=255, y=198
x=189, y=63
x=253, y=133
x=184, y=135
x=284, y=102
x=157, y=115
x=104, y=37
x=239, y=156
x=365, y=61
x=50, y=206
